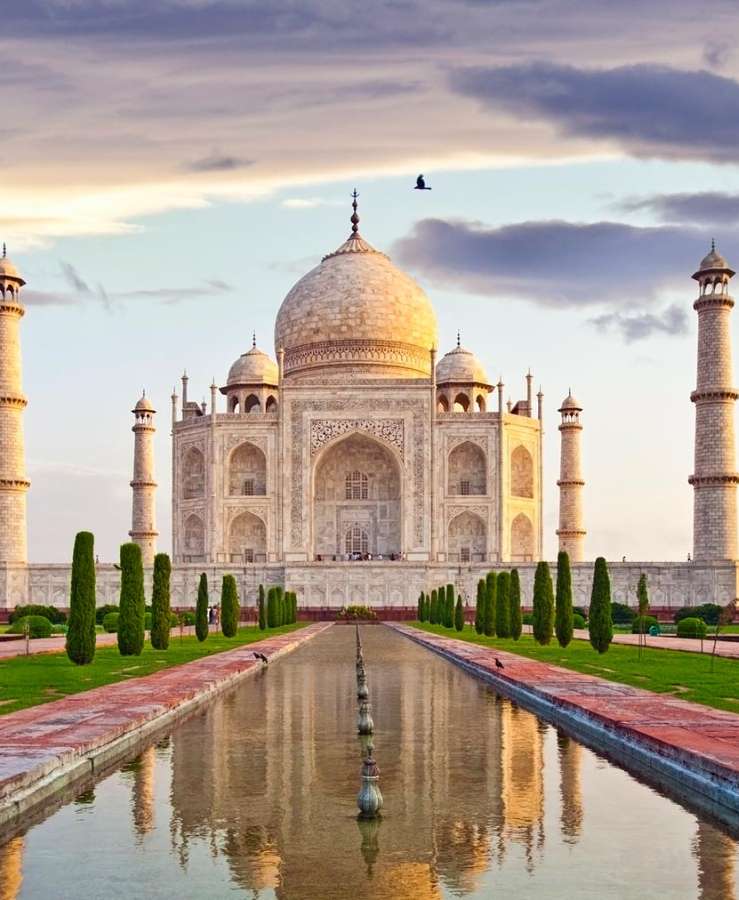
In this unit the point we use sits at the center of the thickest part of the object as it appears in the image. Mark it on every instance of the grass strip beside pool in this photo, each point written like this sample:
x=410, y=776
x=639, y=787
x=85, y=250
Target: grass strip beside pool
x=685, y=675
x=31, y=680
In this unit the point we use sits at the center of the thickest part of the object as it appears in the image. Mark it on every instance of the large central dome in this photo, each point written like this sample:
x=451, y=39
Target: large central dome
x=356, y=312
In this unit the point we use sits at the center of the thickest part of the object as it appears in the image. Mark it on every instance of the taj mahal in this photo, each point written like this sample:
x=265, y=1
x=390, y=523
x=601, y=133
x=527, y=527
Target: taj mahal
x=361, y=465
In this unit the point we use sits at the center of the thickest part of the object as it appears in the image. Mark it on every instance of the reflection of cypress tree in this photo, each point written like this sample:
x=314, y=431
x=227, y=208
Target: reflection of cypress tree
x=569, y=787
x=716, y=853
x=502, y=611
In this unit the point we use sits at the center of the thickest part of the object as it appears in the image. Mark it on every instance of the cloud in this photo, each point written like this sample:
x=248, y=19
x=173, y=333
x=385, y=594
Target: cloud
x=716, y=54
x=636, y=326
x=708, y=207
x=649, y=110
x=308, y=202
x=217, y=163
x=555, y=263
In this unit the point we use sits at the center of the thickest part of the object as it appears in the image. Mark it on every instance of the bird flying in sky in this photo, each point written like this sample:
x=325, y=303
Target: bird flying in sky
x=421, y=184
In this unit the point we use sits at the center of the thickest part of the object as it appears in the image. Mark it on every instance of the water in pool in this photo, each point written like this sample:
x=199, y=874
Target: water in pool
x=256, y=797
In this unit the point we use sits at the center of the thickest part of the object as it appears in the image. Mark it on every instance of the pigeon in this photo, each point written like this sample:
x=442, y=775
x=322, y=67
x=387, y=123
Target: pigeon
x=498, y=664
x=421, y=184
x=261, y=657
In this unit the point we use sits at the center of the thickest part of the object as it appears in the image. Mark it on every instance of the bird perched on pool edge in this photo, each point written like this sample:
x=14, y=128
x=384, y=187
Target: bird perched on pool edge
x=421, y=184
x=498, y=664
x=261, y=657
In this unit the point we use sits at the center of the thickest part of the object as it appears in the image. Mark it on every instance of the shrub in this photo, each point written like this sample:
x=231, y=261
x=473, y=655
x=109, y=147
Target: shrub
x=38, y=626
x=188, y=618
x=229, y=607
x=578, y=621
x=81, y=633
x=357, y=612
x=132, y=605
x=563, y=623
x=160, y=612
x=449, y=612
x=459, y=615
x=514, y=605
x=491, y=590
x=110, y=622
x=642, y=624
x=543, y=613
x=201, y=609
x=261, y=609
x=691, y=628
x=147, y=622
x=54, y=615
x=480, y=607
x=174, y=620
x=528, y=619
x=708, y=612
x=502, y=610
x=621, y=614
x=600, y=623
x=102, y=611
x=581, y=611
x=59, y=629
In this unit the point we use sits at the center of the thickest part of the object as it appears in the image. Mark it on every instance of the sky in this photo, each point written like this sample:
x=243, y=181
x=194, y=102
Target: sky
x=169, y=168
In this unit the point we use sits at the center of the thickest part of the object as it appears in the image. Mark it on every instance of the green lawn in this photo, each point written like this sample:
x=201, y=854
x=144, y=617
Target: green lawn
x=31, y=680
x=685, y=675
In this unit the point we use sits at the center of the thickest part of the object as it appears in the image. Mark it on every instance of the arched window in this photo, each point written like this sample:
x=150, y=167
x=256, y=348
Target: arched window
x=356, y=486
x=461, y=403
x=480, y=402
x=194, y=544
x=467, y=538
x=356, y=540
x=247, y=471
x=522, y=539
x=442, y=404
x=522, y=473
x=252, y=404
x=233, y=403
x=271, y=404
x=247, y=539
x=466, y=470
x=193, y=474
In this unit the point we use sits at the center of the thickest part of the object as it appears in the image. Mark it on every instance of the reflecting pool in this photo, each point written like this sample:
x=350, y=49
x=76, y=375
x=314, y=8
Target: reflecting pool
x=256, y=798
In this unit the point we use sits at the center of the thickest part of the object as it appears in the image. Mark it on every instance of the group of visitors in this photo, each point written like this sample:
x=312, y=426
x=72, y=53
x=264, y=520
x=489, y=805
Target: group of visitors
x=358, y=557
x=214, y=615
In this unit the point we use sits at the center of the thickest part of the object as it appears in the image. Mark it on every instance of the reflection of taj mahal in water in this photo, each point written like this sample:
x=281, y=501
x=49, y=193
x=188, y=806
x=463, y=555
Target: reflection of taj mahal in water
x=358, y=444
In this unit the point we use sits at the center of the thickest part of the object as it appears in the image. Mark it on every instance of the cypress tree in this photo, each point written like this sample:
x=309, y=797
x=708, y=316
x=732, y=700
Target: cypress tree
x=490, y=592
x=160, y=611
x=81, y=630
x=419, y=614
x=271, y=609
x=480, y=606
x=514, y=603
x=229, y=607
x=642, y=597
x=459, y=615
x=295, y=607
x=280, y=606
x=563, y=615
x=434, y=616
x=426, y=601
x=449, y=620
x=543, y=604
x=260, y=607
x=132, y=605
x=502, y=611
x=600, y=623
x=201, y=609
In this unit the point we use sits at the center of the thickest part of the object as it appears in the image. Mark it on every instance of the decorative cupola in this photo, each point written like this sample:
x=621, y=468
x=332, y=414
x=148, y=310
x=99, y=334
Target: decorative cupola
x=252, y=383
x=461, y=381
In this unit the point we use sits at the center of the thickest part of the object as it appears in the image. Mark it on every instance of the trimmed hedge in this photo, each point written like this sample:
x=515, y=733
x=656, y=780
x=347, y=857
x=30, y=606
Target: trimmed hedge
x=578, y=621
x=102, y=611
x=188, y=618
x=110, y=622
x=54, y=615
x=708, y=612
x=691, y=628
x=38, y=626
x=621, y=614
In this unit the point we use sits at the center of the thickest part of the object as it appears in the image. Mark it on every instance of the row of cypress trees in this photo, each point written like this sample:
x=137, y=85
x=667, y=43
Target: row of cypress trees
x=281, y=607
x=440, y=608
x=498, y=606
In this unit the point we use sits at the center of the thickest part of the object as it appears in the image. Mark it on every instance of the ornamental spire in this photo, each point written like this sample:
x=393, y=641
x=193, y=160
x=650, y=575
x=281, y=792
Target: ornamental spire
x=5, y=251
x=253, y=339
x=354, y=217
x=459, y=338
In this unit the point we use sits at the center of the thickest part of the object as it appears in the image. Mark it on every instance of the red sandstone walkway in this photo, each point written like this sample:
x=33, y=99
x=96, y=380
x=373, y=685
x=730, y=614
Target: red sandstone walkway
x=669, y=642
x=694, y=736
x=65, y=736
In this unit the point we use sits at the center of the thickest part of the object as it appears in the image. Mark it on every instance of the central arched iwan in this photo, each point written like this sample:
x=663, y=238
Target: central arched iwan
x=467, y=538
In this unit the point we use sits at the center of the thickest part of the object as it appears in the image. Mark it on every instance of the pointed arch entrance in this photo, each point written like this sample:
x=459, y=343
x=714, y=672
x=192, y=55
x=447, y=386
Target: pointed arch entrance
x=357, y=500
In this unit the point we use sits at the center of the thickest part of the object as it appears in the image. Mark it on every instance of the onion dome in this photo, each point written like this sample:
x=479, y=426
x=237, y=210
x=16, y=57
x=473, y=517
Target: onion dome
x=569, y=404
x=8, y=270
x=143, y=404
x=461, y=366
x=252, y=368
x=356, y=313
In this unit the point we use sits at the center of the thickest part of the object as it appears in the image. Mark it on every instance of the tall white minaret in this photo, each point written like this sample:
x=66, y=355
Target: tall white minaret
x=143, y=510
x=13, y=481
x=714, y=477
x=571, y=531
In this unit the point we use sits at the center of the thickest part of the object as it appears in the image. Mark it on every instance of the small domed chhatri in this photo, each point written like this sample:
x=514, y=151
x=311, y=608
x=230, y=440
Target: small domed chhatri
x=143, y=404
x=8, y=269
x=461, y=366
x=713, y=260
x=570, y=404
x=356, y=314
x=253, y=367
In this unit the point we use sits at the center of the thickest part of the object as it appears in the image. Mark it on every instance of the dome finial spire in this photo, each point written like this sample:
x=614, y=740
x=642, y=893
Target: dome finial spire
x=713, y=245
x=253, y=339
x=5, y=251
x=354, y=217
x=459, y=338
